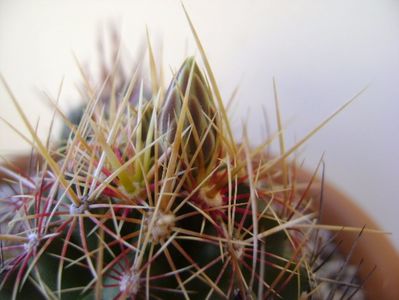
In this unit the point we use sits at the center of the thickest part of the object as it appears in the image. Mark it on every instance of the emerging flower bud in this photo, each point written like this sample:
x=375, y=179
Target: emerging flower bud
x=200, y=119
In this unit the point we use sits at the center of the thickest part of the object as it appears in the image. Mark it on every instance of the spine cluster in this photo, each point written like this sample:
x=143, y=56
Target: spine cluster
x=150, y=197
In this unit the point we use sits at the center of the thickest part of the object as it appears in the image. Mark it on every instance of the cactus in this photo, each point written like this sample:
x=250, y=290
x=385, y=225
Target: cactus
x=155, y=199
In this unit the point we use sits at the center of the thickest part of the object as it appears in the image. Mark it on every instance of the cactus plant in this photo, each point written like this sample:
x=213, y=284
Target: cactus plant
x=153, y=198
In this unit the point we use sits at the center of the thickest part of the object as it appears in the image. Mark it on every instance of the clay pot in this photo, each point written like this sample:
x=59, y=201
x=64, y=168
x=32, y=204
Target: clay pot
x=375, y=249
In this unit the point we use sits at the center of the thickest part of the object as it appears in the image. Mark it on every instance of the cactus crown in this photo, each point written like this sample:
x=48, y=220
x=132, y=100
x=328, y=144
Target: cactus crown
x=150, y=197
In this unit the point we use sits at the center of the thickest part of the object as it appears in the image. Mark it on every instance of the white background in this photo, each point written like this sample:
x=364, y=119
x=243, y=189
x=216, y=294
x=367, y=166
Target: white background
x=320, y=52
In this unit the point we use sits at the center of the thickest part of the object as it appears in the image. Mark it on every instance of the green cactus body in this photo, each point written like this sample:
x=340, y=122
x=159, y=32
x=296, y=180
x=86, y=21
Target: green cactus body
x=148, y=203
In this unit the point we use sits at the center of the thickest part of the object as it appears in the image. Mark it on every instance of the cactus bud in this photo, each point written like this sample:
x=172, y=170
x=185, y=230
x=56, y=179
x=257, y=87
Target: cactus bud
x=200, y=120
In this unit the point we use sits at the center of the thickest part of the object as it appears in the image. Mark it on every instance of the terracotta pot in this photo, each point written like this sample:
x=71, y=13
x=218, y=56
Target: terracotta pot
x=338, y=209
x=375, y=249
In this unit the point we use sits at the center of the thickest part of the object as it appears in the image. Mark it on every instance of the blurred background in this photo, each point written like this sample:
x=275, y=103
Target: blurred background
x=321, y=53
